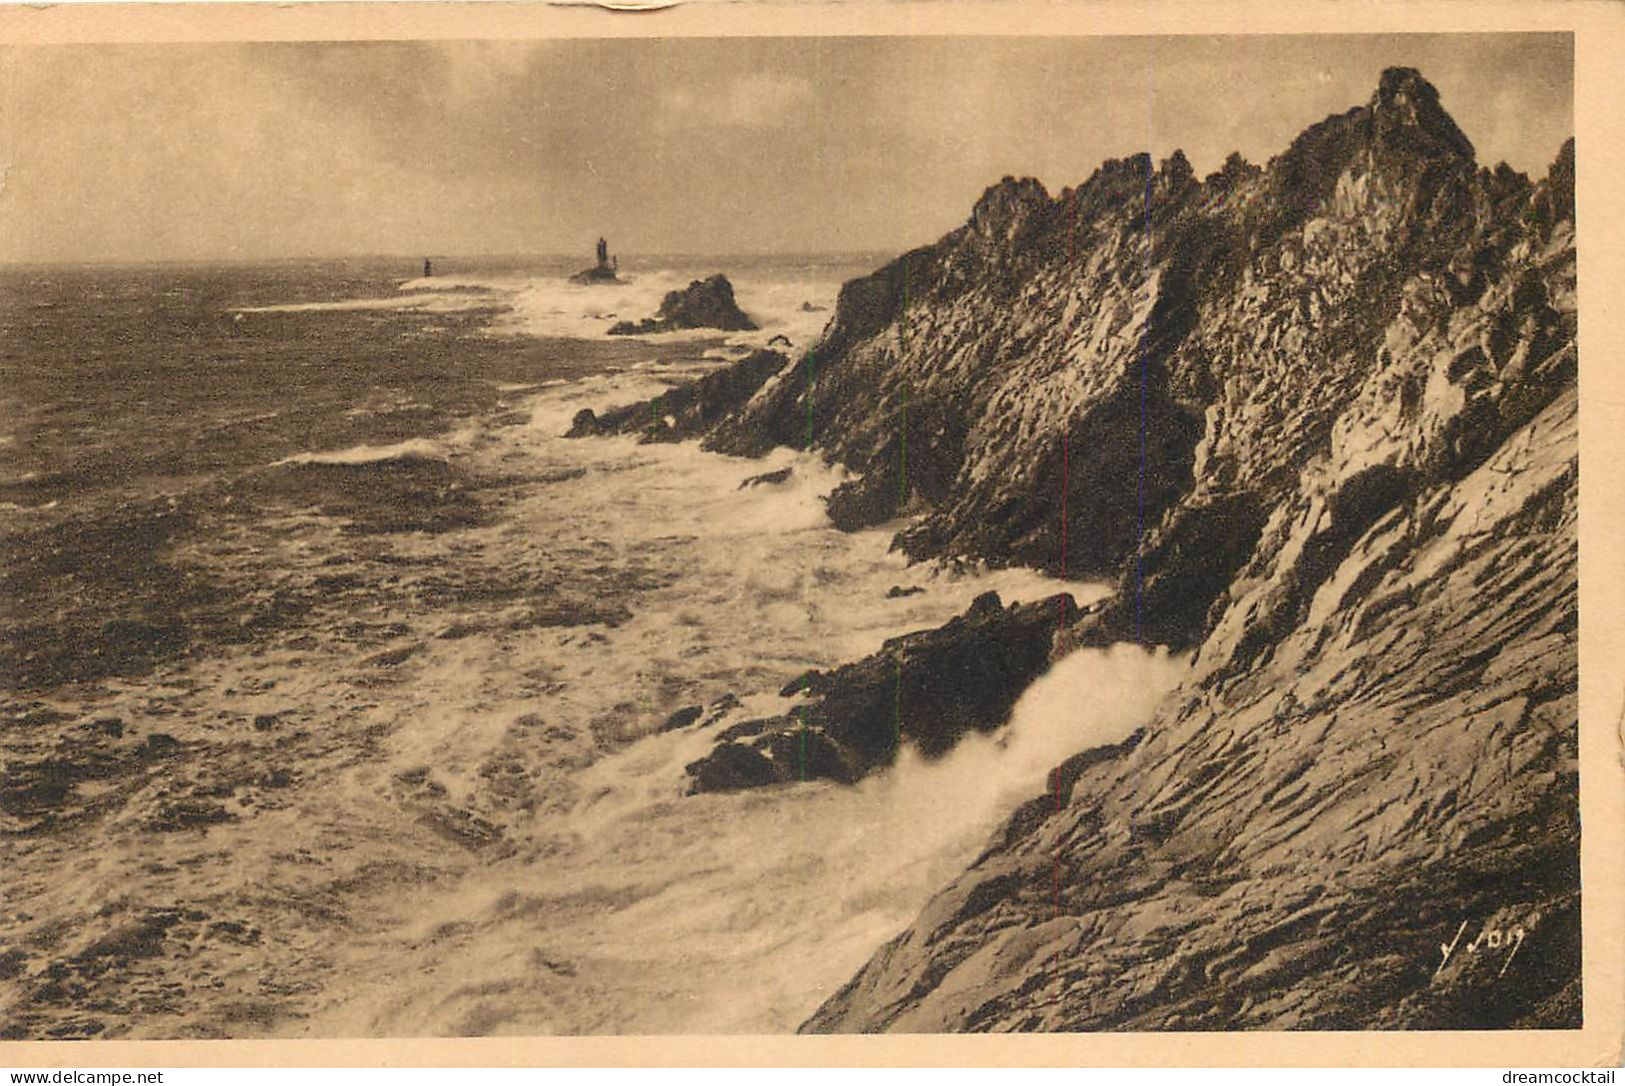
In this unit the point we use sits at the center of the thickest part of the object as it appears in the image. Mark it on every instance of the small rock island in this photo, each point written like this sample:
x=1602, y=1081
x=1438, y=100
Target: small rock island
x=704, y=303
x=605, y=271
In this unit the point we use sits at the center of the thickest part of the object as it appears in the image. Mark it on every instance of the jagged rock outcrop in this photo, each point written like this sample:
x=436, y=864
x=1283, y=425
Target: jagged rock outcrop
x=602, y=275
x=687, y=410
x=1352, y=373
x=1048, y=382
x=926, y=688
x=704, y=303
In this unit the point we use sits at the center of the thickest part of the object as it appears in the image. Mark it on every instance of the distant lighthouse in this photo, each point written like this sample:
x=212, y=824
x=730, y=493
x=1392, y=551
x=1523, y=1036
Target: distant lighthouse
x=602, y=272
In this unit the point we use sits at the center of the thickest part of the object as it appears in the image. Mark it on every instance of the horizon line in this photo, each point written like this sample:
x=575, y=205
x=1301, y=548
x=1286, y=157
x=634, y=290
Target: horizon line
x=413, y=258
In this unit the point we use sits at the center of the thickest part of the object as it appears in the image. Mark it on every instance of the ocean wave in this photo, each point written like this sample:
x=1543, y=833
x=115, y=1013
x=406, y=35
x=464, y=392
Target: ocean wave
x=427, y=302
x=414, y=449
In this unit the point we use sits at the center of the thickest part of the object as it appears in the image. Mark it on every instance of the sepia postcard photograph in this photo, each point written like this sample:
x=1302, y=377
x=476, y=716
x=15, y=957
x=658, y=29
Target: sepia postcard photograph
x=904, y=521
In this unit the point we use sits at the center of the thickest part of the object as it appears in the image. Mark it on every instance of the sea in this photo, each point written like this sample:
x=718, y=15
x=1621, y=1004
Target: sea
x=333, y=675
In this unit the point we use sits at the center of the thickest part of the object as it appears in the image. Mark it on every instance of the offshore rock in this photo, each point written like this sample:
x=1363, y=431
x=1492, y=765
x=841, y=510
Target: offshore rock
x=927, y=688
x=597, y=276
x=603, y=272
x=704, y=303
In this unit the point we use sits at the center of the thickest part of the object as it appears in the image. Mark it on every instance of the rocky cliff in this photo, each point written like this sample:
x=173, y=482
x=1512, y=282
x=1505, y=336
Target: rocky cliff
x=1301, y=833
x=1318, y=418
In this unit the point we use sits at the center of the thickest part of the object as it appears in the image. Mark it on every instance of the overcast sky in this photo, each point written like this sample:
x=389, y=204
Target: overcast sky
x=672, y=145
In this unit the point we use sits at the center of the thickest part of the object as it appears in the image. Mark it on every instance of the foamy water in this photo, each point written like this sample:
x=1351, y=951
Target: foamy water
x=546, y=305
x=634, y=908
x=444, y=802
x=413, y=449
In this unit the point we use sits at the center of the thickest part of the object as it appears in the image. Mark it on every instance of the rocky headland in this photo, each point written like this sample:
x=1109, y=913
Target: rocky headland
x=1317, y=419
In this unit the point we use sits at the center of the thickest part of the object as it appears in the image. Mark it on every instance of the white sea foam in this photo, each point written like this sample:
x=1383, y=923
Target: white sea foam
x=437, y=303
x=611, y=902
x=712, y=913
x=555, y=307
x=552, y=307
x=742, y=912
x=1091, y=698
x=414, y=449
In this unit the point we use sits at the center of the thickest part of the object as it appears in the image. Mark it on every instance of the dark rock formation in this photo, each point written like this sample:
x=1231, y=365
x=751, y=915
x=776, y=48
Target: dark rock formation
x=687, y=410
x=927, y=688
x=767, y=478
x=1003, y=380
x=731, y=767
x=697, y=716
x=682, y=718
x=704, y=303
x=1352, y=375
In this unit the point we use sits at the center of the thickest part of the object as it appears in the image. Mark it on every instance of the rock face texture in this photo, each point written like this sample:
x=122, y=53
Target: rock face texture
x=689, y=409
x=1319, y=419
x=1291, y=844
x=1143, y=365
x=927, y=688
x=704, y=303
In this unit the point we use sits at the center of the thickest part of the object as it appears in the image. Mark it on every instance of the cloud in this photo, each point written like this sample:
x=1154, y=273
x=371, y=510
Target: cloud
x=757, y=100
x=687, y=144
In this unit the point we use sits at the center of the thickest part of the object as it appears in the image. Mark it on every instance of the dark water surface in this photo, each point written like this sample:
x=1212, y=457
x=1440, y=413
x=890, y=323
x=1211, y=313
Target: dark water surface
x=142, y=409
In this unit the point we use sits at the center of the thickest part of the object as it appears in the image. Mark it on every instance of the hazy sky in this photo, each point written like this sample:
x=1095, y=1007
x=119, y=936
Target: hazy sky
x=667, y=145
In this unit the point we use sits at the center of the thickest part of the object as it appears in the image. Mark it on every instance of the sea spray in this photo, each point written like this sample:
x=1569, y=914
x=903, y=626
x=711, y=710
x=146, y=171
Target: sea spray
x=742, y=912
x=1090, y=698
x=795, y=307
x=413, y=449
x=432, y=618
x=676, y=913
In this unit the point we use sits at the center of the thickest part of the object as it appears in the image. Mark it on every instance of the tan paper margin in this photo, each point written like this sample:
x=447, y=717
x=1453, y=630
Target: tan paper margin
x=1599, y=28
